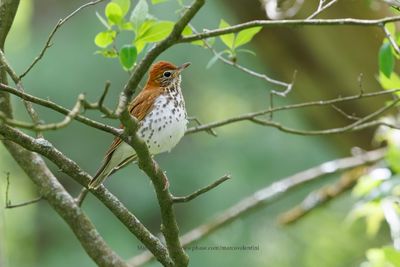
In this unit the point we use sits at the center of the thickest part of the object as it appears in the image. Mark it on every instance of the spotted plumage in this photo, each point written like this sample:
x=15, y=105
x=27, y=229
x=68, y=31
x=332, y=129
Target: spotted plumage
x=160, y=110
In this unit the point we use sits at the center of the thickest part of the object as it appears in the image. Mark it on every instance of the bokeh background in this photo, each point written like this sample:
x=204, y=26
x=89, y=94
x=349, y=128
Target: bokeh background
x=329, y=61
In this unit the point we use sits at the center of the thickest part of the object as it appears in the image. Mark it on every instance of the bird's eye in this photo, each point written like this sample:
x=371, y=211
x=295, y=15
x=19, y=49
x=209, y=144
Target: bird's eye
x=167, y=74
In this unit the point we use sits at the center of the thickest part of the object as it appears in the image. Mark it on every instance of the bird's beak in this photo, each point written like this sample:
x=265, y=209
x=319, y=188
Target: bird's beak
x=183, y=66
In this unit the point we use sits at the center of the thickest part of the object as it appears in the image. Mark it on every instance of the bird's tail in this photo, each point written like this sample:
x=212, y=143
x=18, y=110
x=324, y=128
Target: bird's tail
x=107, y=169
x=102, y=173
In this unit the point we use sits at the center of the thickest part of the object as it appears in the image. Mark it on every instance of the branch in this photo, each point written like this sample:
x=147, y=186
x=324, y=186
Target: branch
x=268, y=194
x=60, y=109
x=72, y=169
x=355, y=126
x=201, y=191
x=65, y=206
x=289, y=23
x=322, y=196
x=47, y=127
x=53, y=32
x=28, y=105
x=253, y=115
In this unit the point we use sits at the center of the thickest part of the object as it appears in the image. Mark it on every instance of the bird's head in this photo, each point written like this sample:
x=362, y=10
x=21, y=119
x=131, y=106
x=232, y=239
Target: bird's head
x=164, y=74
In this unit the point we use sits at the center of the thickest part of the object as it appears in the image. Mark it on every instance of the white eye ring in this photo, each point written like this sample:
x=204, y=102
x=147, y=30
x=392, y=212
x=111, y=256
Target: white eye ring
x=167, y=74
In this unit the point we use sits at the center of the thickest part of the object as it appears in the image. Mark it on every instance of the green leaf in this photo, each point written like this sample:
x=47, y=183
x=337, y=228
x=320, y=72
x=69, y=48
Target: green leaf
x=127, y=56
x=386, y=59
x=139, y=14
x=104, y=39
x=373, y=214
x=107, y=53
x=227, y=39
x=187, y=31
x=246, y=51
x=156, y=32
x=391, y=27
x=124, y=5
x=393, y=158
x=103, y=21
x=245, y=36
x=392, y=255
x=365, y=185
x=201, y=43
x=389, y=83
x=155, y=2
x=113, y=13
x=127, y=26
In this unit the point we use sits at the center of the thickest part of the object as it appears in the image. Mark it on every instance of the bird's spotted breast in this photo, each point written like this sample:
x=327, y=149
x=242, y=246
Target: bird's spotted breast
x=166, y=123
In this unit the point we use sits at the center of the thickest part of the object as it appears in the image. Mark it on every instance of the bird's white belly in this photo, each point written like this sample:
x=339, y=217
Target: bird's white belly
x=164, y=126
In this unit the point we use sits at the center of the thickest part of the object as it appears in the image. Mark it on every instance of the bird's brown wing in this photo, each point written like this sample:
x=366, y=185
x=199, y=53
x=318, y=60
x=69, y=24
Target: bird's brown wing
x=138, y=108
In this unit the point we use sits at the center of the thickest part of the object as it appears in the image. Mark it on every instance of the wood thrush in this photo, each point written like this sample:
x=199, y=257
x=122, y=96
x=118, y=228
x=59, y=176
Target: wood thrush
x=160, y=110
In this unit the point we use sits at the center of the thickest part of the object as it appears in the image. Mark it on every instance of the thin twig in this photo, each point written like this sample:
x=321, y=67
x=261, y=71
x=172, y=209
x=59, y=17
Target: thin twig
x=198, y=122
x=253, y=73
x=60, y=109
x=46, y=127
x=201, y=191
x=53, y=32
x=392, y=41
x=342, y=112
x=267, y=195
x=322, y=196
x=99, y=105
x=321, y=8
x=253, y=115
x=355, y=126
x=28, y=106
x=8, y=204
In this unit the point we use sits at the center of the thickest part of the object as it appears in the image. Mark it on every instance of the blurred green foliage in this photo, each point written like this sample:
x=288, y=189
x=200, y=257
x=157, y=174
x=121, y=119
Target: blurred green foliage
x=253, y=155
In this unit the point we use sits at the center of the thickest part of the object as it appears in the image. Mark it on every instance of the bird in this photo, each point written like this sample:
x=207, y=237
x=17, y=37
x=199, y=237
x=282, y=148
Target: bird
x=161, y=113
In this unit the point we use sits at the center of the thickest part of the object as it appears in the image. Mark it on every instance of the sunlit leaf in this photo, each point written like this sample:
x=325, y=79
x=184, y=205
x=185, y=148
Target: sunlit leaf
x=155, y=2
x=373, y=214
x=104, y=39
x=124, y=5
x=202, y=43
x=393, y=158
x=227, y=39
x=386, y=59
x=108, y=53
x=113, y=13
x=127, y=56
x=187, y=31
x=389, y=83
x=392, y=255
x=140, y=46
x=139, y=14
x=245, y=36
x=156, y=32
x=364, y=185
x=127, y=26
x=391, y=27
x=246, y=51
